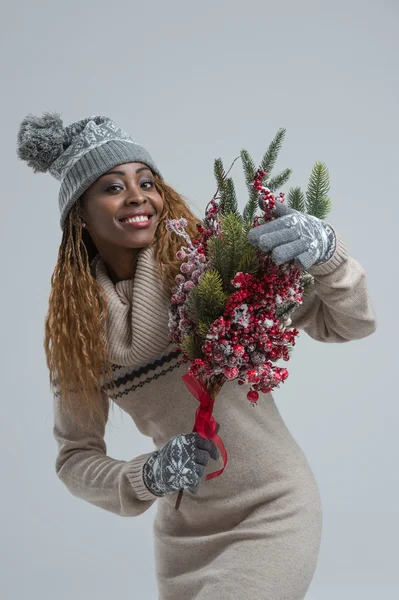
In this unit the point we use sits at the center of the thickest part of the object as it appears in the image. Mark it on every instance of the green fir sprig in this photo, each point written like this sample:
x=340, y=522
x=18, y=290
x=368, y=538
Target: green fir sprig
x=230, y=252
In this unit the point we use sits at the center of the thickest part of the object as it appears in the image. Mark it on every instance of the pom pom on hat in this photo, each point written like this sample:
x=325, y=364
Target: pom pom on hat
x=77, y=155
x=40, y=140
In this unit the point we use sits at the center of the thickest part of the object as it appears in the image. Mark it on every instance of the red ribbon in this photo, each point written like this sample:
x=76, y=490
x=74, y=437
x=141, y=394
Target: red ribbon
x=205, y=422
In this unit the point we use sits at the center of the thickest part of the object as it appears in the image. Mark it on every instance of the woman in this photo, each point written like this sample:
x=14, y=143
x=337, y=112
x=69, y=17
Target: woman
x=255, y=531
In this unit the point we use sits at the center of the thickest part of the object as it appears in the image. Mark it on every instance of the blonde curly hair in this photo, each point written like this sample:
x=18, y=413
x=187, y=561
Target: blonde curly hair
x=75, y=343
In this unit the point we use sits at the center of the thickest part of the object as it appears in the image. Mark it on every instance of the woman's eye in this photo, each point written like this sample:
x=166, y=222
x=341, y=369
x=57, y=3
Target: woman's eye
x=148, y=182
x=113, y=186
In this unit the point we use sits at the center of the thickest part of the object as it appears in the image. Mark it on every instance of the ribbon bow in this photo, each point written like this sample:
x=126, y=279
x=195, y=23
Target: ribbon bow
x=205, y=422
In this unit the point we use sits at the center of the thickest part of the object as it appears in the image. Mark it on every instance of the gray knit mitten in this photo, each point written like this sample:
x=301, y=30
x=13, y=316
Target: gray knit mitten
x=294, y=234
x=179, y=465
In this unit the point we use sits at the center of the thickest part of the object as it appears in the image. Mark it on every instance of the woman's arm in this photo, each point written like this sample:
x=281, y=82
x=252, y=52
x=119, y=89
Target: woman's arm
x=339, y=308
x=83, y=466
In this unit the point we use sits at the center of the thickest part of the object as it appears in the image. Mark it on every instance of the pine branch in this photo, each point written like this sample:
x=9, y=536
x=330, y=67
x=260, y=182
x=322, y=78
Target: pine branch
x=249, y=262
x=248, y=166
x=284, y=309
x=191, y=346
x=218, y=254
x=249, y=173
x=267, y=165
x=203, y=327
x=232, y=229
x=307, y=281
x=230, y=203
x=247, y=226
x=271, y=154
x=212, y=298
x=296, y=199
x=220, y=176
x=278, y=181
x=251, y=207
x=317, y=201
x=193, y=306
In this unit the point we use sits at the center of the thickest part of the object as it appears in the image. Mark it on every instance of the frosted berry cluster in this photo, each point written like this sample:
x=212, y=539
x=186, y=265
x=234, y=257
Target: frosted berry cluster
x=245, y=341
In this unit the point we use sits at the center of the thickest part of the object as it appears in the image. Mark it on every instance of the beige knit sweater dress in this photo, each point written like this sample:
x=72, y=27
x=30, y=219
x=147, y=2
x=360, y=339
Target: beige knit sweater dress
x=254, y=532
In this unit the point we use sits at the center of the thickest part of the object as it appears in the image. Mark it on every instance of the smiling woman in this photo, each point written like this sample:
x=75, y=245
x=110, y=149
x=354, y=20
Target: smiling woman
x=253, y=533
x=121, y=211
x=101, y=234
x=105, y=176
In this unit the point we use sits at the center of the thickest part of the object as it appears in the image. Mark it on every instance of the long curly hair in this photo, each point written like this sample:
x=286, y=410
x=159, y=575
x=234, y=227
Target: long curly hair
x=75, y=342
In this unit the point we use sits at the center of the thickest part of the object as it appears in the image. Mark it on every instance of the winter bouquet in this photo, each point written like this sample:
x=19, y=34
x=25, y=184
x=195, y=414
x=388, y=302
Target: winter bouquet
x=230, y=310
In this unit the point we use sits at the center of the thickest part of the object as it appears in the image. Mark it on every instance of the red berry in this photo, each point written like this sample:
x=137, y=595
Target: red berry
x=253, y=396
x=238, y=349
x=284, y=374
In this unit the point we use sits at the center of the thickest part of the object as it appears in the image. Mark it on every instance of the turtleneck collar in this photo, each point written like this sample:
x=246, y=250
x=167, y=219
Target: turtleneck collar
x=138, y=311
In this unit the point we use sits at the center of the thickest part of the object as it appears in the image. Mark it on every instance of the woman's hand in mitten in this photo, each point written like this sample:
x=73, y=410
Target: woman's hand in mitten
x=294, y=234
x=179, y=465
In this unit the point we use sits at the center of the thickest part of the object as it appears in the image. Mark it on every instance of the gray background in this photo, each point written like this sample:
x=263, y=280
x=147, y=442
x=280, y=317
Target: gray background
x=193, y=81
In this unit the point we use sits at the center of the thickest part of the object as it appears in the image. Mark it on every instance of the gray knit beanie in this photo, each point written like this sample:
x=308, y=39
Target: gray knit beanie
x=78, y=154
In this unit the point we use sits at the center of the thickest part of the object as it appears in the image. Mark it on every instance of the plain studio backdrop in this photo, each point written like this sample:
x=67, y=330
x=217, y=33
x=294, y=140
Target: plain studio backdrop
x=193, y=81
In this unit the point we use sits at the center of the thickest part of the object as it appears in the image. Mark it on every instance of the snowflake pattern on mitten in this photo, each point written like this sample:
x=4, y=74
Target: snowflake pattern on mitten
x=331, y=244
x=174, y=467
x=295, y=235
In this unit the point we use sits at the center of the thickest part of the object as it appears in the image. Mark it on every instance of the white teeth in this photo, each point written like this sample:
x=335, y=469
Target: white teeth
x=136, y=219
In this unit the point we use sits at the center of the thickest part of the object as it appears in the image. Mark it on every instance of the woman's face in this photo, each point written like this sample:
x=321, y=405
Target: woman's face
x=119, y=194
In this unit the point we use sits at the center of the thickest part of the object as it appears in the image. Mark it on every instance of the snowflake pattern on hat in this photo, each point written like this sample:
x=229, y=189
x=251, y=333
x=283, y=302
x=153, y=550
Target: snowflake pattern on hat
x=93, y=135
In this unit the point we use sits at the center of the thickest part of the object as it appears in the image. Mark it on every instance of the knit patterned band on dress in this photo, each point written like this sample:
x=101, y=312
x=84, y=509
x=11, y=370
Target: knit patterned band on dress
x=77, y=155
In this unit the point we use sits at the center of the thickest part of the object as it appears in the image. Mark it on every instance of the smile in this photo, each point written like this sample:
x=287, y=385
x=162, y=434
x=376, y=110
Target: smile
x=139, y=222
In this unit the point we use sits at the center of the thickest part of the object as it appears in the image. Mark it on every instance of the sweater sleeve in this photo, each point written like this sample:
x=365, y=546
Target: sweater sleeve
x=339, y=308
x=83, y=466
